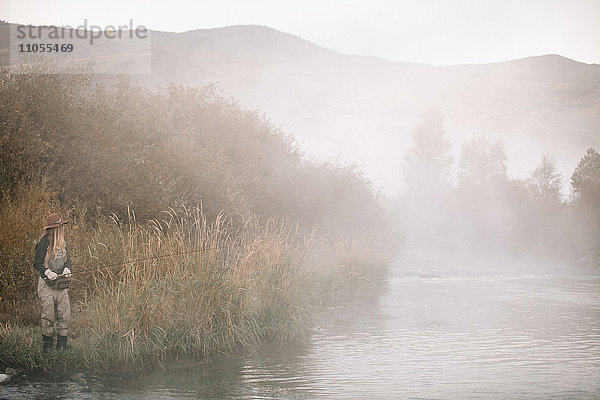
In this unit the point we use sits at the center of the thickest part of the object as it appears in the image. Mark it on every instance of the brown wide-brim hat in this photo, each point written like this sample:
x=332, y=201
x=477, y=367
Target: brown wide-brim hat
x=54, y=221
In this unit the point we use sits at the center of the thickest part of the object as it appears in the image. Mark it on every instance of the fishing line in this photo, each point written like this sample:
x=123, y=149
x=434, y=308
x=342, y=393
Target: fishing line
x=158, y=257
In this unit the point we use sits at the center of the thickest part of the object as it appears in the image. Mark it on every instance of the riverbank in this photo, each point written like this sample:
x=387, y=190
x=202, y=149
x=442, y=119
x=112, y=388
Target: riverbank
x=438, y=336
x=258, y=283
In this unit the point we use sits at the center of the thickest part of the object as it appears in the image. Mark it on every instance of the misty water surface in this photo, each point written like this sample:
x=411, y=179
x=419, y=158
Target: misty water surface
x=450, y=332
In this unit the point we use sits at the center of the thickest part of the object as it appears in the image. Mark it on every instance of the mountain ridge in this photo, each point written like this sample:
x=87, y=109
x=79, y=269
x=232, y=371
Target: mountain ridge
x=359, y=108
x=363, y=108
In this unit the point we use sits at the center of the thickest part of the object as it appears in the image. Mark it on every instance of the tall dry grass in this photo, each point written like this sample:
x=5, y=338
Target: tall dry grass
x=241, y=290
x=252, y=283
x=21, y=219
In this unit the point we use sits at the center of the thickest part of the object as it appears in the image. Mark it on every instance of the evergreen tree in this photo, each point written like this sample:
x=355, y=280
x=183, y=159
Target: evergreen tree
x=586, y=186
x=586, y=178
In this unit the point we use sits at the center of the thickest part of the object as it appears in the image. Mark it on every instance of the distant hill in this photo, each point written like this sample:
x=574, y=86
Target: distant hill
x=364, y=108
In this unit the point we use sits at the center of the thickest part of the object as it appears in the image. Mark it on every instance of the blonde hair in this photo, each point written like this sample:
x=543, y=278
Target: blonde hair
x=56, y=241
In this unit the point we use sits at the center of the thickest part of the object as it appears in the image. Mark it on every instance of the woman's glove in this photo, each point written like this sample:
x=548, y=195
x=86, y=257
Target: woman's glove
x=50, y=274
x=66, y=273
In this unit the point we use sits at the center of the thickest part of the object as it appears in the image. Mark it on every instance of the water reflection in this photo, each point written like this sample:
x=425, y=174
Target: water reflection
x=437, y=335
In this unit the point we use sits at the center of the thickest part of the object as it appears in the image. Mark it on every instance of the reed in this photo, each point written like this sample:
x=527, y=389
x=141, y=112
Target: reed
x=254, y=283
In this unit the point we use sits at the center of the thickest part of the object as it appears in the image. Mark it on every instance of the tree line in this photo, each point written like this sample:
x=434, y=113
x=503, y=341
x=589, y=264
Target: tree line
x=480, y=210
x=109, y=149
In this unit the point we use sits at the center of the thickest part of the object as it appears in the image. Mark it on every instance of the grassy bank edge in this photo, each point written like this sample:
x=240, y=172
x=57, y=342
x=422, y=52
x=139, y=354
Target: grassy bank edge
x=149, y=314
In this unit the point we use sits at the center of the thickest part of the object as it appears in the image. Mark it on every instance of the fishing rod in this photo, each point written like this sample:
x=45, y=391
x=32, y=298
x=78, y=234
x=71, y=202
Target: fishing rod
x=154, y=258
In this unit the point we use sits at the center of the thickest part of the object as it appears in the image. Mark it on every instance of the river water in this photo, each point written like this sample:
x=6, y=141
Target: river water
x=450, y=333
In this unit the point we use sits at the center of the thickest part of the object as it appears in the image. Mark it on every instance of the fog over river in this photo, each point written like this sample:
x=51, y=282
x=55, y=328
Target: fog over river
x=518, y=332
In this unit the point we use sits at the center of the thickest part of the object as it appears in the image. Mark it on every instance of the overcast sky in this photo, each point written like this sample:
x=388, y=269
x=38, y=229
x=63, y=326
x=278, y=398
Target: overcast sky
x=438, y=32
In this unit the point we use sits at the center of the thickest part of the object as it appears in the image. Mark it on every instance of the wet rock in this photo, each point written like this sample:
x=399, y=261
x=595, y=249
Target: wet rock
x=4, y=378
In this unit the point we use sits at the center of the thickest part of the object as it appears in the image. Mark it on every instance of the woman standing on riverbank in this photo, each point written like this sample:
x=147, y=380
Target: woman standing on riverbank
x=51, y=260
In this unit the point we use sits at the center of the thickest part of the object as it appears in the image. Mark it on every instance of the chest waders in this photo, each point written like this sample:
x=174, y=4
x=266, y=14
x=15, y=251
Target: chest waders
x=54, y=298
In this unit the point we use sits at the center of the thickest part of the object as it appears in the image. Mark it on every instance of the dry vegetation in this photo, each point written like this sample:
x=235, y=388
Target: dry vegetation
x=96, y=153
x=256, y=282
x=107, y=149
